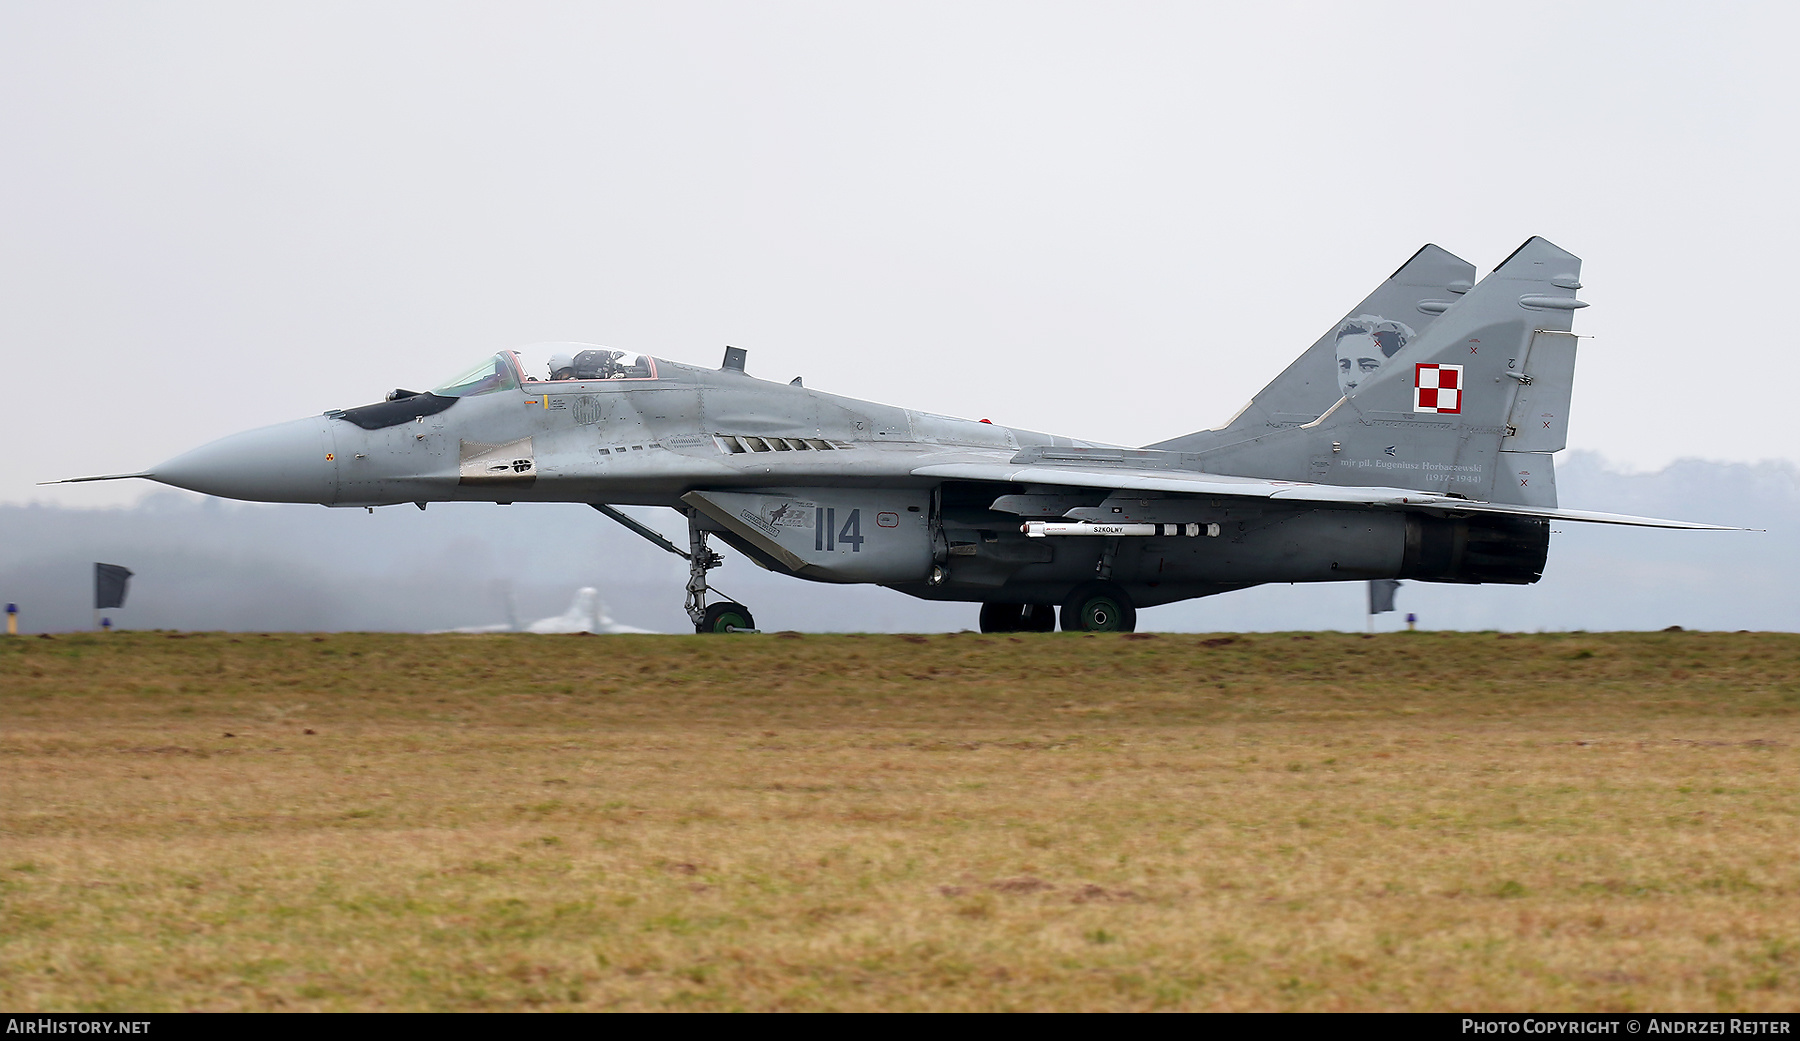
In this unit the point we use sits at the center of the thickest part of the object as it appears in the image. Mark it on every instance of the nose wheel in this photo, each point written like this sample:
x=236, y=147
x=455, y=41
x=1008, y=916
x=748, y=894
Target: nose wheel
x=725, y=617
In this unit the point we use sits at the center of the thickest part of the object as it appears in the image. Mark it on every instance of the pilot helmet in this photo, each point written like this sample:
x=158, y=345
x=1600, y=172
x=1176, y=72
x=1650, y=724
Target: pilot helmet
x=560, y=361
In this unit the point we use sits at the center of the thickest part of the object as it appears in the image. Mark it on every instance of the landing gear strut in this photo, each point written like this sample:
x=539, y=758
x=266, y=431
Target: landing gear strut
x=724, y=617
x=701, y=559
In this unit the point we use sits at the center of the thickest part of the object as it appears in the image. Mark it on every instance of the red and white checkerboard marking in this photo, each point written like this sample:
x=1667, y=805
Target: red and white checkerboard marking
x=1437, y=388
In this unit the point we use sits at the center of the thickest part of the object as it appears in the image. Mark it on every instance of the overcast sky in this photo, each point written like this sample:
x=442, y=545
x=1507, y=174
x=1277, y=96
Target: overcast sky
x=1110, y=220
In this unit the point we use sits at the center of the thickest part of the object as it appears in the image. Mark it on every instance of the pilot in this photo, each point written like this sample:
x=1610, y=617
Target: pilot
x=562, y=366
x=1363, y=343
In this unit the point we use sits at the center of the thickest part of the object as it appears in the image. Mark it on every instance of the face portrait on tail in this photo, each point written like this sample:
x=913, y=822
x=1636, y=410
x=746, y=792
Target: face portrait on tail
x=1363, y=343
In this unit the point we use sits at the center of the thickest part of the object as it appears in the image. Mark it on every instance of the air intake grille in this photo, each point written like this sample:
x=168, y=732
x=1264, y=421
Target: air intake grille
x=737, y=444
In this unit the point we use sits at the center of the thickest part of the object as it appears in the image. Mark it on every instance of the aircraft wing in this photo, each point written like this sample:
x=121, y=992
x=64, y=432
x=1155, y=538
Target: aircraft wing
x=1187, y=482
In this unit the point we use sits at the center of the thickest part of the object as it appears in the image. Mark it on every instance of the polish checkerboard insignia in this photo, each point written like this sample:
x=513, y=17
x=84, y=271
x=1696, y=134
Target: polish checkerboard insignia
x=1437, y=388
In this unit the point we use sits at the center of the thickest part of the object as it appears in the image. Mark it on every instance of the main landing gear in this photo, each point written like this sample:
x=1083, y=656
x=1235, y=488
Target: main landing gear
x=723, y=617
x=1098, y=607
x=1093, y=607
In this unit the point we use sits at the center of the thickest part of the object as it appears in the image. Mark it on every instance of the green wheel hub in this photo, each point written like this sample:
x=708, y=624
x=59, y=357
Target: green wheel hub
x=726, y=617
x=1101, y=615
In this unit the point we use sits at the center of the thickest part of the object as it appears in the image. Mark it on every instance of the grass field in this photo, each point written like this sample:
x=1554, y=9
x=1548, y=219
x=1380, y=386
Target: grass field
x=1277, y=821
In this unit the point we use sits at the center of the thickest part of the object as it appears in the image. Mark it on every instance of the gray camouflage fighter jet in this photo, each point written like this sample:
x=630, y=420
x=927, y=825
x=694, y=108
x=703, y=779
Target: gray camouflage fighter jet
x=1414, y=440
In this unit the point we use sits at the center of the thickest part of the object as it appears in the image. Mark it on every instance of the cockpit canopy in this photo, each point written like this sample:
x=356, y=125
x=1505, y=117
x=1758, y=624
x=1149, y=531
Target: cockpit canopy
x=547, y=363
x=600, y=363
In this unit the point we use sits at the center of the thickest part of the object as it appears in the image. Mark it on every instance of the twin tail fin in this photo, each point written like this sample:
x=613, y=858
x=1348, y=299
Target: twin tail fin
x=1472, y=407
x=1354, y=348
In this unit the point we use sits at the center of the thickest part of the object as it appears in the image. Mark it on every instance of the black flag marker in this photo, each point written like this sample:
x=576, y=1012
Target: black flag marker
x=110, y=581
x=1381, y=594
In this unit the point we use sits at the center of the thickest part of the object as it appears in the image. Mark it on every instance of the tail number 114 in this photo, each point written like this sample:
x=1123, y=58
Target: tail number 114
x=827, y=534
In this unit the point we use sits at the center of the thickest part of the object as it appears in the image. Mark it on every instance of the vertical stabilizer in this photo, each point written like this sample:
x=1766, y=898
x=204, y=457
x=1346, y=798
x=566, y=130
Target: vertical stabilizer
x=585, y=611
x=1436, y=414
x=1351, y=351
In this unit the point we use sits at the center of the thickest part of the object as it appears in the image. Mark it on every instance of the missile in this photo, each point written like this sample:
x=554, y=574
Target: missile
x=1039, y=529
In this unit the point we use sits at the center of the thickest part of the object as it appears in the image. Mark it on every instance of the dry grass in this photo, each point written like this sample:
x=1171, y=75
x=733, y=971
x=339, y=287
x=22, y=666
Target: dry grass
x=1428, y=821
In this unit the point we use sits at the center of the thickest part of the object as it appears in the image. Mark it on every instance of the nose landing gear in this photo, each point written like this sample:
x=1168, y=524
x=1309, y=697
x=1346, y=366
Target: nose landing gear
x=701, y=559
x=723, y=617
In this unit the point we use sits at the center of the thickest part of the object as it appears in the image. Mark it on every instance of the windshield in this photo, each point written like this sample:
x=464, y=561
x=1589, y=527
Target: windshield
x=491, y=374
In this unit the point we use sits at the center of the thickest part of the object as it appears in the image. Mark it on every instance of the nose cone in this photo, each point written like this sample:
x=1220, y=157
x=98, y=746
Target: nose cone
x=288, y=462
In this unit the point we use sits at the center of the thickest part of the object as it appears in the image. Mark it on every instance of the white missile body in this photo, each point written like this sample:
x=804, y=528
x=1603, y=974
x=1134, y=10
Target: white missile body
x=1040, y=529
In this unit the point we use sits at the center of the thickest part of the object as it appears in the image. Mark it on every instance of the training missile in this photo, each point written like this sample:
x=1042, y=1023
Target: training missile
x=1039, y=529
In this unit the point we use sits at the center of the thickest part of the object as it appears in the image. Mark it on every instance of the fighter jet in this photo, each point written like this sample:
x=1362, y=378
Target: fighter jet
x=587, y=613
x=1414, y=440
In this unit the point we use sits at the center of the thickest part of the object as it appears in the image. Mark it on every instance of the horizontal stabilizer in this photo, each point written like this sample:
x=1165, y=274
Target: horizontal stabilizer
x=1583, y=516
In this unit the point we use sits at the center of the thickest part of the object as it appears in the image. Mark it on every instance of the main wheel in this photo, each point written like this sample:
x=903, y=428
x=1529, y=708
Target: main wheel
x=1038, y=618
x=1098, y=607
x=1002, y=618
x=725, y=617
